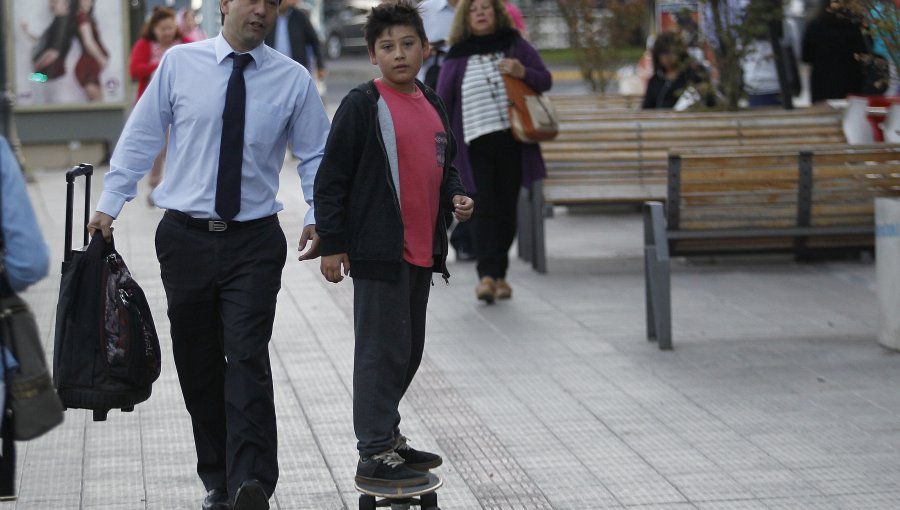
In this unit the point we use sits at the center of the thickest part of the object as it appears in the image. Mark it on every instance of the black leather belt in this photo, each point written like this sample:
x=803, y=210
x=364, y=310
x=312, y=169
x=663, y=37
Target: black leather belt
x=213, y=225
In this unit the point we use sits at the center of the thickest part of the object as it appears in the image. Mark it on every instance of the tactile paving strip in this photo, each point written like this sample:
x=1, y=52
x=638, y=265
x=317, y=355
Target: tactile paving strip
x=487, y=467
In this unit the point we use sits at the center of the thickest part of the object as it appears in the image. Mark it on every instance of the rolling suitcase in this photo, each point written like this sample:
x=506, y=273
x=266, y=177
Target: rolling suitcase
x=106, y=353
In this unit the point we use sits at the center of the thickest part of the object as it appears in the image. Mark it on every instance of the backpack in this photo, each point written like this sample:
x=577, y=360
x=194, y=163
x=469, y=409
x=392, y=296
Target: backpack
x=107, y=351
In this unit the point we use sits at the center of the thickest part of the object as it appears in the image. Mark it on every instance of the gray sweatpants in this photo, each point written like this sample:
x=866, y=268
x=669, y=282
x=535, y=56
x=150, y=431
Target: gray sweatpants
x=389, y=322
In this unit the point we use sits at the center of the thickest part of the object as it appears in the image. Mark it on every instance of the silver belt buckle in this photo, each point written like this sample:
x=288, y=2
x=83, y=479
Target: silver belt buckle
x=217, y=226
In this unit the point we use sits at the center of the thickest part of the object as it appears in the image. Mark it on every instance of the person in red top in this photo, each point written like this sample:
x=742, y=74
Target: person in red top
x=160, y=33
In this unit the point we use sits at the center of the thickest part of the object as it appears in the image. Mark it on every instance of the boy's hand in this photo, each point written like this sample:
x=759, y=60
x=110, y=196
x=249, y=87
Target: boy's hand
x=102, y=222
x=463, y=207
x=309, y=234
x=331, y=267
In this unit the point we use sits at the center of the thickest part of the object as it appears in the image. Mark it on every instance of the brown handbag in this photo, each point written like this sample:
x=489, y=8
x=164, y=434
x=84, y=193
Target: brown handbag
x=532, y=117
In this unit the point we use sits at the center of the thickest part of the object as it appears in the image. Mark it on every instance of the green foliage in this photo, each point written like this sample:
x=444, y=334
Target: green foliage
x=735, y=30
x=594, y=33
x=625, y=22
x=880, y=18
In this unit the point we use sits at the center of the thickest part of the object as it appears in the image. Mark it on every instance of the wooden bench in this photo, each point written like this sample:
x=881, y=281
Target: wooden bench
x=603, y=157
x=805, y=200
x=580, y=103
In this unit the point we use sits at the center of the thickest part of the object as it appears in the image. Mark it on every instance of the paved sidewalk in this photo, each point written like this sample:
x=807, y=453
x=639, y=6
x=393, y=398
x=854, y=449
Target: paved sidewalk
x=776, y=396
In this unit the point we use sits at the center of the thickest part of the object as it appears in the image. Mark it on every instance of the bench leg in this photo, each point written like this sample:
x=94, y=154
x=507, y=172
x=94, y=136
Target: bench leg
x=658, y=298
x=649, y=254
x=657, y=277
x=537, y=215
x=526, y=230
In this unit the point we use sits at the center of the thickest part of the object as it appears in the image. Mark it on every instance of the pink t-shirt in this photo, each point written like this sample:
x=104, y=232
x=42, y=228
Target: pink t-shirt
x=421, y=145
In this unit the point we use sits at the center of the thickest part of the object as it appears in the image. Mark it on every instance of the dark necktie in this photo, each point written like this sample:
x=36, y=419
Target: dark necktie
x=231, y=151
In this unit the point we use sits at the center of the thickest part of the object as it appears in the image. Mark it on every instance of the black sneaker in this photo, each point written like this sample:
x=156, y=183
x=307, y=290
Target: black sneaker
x=387, y=469
x=415, y=459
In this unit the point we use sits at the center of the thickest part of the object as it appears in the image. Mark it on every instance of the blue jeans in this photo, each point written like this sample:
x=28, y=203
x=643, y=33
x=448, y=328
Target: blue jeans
x=759, y=100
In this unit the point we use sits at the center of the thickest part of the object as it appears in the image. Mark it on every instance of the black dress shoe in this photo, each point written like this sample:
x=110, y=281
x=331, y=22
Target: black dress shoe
x=216, y=499
x=251, y=496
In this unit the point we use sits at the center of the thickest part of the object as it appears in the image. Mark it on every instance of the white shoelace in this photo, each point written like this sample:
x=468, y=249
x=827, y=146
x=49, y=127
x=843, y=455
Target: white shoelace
x=400, y=443
x=391, y=458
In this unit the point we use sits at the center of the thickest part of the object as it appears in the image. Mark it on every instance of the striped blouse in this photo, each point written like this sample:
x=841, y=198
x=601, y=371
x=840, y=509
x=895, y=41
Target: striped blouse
x=484, y=101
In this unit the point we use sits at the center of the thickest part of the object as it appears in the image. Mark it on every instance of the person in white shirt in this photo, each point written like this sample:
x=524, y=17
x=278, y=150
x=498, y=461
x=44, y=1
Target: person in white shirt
x=437, y=16
x=220, y=246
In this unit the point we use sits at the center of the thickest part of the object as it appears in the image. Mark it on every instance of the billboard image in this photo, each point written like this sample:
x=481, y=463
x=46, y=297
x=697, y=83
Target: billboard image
x=677, y=15
x=68, y=52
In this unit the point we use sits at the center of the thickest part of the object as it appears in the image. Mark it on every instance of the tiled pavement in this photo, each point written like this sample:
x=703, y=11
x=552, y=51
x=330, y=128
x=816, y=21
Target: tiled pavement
x=776, y=396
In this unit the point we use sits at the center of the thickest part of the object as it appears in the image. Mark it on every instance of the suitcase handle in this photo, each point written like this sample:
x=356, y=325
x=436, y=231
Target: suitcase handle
x=87, y=171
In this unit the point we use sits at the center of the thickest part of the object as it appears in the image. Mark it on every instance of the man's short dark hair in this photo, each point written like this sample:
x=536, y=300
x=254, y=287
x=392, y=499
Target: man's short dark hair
x=391, y=14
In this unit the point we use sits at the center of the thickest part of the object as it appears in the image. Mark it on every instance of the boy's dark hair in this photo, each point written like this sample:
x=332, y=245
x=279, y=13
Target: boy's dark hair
x=390, y=14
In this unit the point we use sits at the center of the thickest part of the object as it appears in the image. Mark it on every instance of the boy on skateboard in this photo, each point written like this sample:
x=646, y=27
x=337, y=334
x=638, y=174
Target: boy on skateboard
x=384, y=196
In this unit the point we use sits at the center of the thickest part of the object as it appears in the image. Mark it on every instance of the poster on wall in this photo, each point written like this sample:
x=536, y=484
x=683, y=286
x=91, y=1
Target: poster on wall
x=68, y=52
x=677, y=15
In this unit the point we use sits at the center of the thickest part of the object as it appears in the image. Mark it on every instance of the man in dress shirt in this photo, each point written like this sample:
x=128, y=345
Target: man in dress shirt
x=294, y=36
x=221, y=277
x=437, y=17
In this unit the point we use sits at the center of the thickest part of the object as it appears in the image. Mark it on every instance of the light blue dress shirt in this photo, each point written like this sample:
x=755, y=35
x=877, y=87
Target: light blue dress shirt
x=27, y=256
x=187, y=95
x=282, y=35
x=437, y=17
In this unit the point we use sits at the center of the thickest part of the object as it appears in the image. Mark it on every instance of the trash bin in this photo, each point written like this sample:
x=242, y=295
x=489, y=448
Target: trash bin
x=887, y=262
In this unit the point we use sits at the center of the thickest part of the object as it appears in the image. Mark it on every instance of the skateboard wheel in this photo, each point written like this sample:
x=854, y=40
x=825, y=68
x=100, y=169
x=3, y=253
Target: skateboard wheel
x=429, y=501
x=366, y=502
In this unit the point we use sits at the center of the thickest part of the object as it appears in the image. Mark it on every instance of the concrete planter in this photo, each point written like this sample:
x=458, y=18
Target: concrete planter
x=887, y=270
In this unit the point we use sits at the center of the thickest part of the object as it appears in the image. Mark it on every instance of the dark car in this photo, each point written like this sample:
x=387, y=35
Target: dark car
x=344, y=20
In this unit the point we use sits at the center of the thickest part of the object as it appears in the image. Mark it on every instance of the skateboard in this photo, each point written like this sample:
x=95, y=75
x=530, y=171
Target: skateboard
x=400, y=498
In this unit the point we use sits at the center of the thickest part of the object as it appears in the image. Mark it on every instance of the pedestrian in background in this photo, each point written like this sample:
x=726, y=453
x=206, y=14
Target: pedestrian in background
x=187, y=24
x=232, y=104
x=492, y=164
x=762, y=21
x=295, y=37
x=437, y=18
x=677, y=76
x=159, y=33
x=830, y=45
x=517, y=18
x=26, y=260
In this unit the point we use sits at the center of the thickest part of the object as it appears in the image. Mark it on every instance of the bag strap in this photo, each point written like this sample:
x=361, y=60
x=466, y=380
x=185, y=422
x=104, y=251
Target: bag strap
x=8, y=451
x=2, y=238
x=5, y=289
